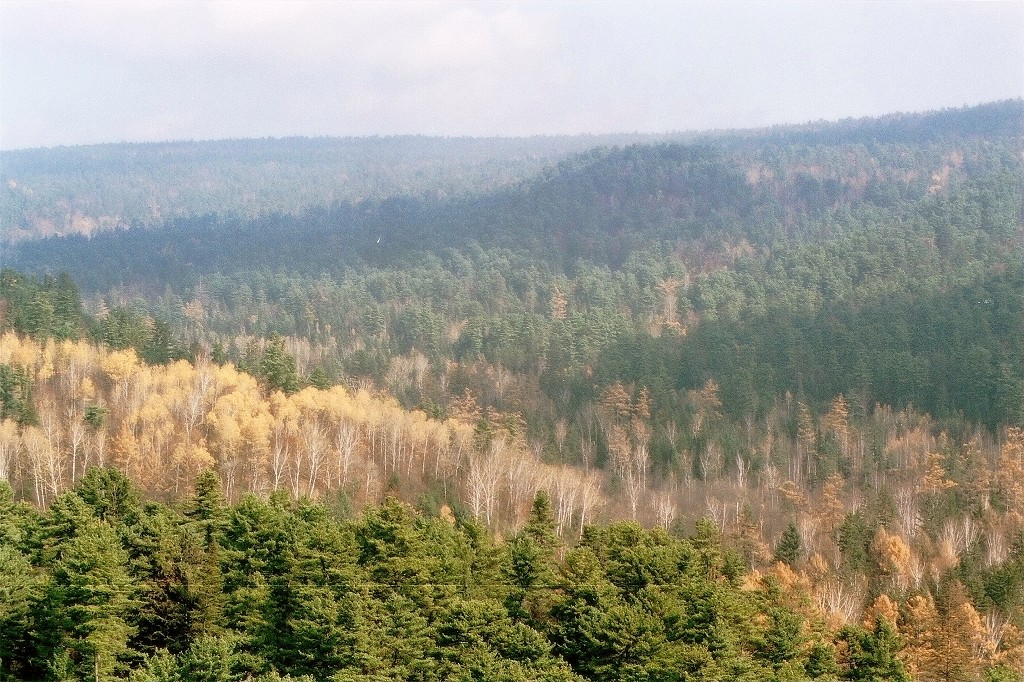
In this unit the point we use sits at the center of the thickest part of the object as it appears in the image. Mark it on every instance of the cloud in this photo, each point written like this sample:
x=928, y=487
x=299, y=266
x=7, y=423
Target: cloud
x=93, y=70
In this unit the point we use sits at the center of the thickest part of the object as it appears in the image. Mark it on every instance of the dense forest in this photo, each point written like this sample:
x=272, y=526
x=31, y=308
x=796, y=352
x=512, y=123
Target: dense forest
x=89, y=189
x=271, y=589
x=792, y=359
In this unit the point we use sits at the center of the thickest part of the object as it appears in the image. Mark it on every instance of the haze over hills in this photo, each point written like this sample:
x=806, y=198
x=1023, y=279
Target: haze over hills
x=66, y=190
x=86, y=189
x=480, y=183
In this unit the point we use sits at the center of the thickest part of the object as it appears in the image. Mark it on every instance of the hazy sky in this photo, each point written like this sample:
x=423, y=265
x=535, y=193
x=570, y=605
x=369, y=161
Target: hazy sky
x=83, y=72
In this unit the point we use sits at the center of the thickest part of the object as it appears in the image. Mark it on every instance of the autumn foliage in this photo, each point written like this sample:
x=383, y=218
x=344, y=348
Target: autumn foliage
x=944, y=573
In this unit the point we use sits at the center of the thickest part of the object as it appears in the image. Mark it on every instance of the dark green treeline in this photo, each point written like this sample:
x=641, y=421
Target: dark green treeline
x=103, y=585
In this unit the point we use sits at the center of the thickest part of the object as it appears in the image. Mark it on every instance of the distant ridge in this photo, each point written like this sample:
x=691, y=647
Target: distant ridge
x=92, y=188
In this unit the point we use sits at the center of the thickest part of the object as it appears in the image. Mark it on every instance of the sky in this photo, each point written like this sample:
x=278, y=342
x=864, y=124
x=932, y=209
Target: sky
x=87, y=72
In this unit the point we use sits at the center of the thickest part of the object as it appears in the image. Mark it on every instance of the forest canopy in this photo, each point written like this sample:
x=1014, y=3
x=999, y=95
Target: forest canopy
x=792, y=359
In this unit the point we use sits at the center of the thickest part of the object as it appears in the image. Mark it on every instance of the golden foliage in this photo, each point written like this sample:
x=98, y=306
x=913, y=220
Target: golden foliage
x=794, y=496
x=945, y=645
x=882, y=607
x=1010, y=473
x=832, y=509
x=935, y=479
x=894, y=557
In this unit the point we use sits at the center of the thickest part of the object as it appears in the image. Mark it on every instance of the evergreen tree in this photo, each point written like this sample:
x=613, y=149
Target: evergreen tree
x=872, y=654
x=207, y=509
x=277, y=367
x=790, y=547
x=782, y=642
x=20, y=588
x=16, y=395
x=90, y=606
x=111, y=496
x=528, y=565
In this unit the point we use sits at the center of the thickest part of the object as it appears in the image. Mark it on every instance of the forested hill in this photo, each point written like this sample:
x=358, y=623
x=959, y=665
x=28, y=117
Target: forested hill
x=89, y=189
x=998, y=119
x=803, y=348
x=601, y=205
x=878, y=258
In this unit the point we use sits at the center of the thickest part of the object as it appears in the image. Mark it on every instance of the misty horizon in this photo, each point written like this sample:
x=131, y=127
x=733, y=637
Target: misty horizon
x=102, y=72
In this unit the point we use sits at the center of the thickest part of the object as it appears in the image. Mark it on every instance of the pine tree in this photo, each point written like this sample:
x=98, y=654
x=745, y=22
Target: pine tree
x=872, y=655
x=790, y=547
x=529, y=561
x=92, y=600
x=110, y=495
x=782, y=640
x=207, y=510
x=20, y=587
x=277, y=367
